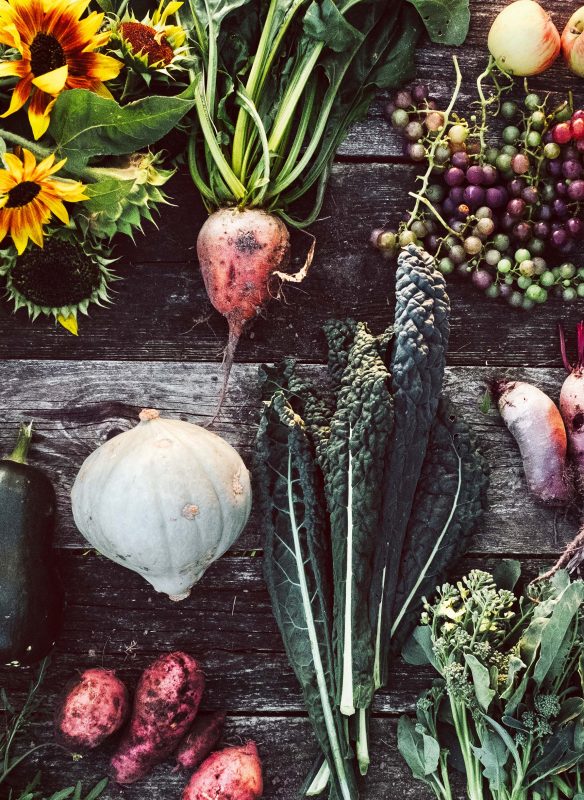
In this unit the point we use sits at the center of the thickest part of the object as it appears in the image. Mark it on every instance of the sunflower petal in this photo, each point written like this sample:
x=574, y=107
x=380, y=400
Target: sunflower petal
x=103, y=68
x=20, y=68
x=54, y=205
x=20, y=95
x=52, y=82
x=18, y=231
x=7, y=182
x=29, y=165
x=39, y=110
x=14, y=165
x=69, y=323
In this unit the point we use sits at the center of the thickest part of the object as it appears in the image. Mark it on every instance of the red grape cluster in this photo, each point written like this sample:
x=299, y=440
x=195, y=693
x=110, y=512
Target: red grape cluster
x=499, y=214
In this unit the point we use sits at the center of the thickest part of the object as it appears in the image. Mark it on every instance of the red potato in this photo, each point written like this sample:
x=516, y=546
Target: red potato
x=231, y=774
x=239, y=252
x=201, y=740
x=93, y=707
x=536, y=423
x=165, y=705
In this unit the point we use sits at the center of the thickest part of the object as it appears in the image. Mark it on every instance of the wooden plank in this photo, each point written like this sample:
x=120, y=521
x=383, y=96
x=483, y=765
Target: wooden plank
x=157, y=305
x=78, y=405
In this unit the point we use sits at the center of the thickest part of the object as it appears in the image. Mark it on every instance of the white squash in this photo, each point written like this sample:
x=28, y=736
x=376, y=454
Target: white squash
x=164, y=499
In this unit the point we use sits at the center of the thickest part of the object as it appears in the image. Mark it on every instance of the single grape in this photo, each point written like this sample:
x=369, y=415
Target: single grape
x=496, y=197
x=456, y=194
x=574, y=226
x=516, y=207
x=434, y=121
x=475, y=175
x=571, y=169
x=419, y=228
x=567, y=271
x=580, y=290
x=537, y=120
x=542, y=229
x=562, y=133
x=490, y=175
x=516, y=186
x=522, y=254
x=561, y=188
x=511, y=134
x=501, y=242
x=492, y=257
x=523, y=282
x=547, y=278
x=474, y=196
x=509, y=109
x=404, y=99
x=508, y=222
x=540, y=265
x=552, y=150
x=533, y=102
x=509, y=150
x=576, y=190
x=527, y=268
x=560, y=208
x=406, y=238
x=442, y=154
x=493, y=291
x=530, y=195
x=569, y=295
x=520, y=164
x=400, y=118
x=414, y=132
x=559, y=237
x=537, y=247
x=435, y=193
x=458, y=134
x=458, y=254
x=417, y=152
x=515, y=299
x=448, y=206
x=463, y=211
x=419, y=93
x=485, y=227
x=454, y=176
x=482, y=279
x=490, y=155
x=522, y=232
x=460, y=160
x=484, y=212
x=548, y=192
x=527, y=304
x=504, y=266
x=446, y=266
x=578, y=114
x=578, y=128
x=533, y=139
x=431, y=243
x=503, y=162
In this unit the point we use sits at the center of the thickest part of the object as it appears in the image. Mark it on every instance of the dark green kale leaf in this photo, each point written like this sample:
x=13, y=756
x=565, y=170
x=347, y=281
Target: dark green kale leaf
x=449, y=502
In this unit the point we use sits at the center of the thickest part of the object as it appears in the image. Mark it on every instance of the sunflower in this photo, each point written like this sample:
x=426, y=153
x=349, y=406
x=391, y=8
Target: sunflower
x=151, y=44
x=29, y=197
x=60, y=281
x=57, y=53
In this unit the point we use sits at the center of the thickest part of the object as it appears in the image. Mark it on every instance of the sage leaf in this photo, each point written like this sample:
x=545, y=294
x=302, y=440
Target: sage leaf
x=481, y=681
x=85, y=125
x=507, y=573
x=563, y=615
x=412, y=745
x=447, y=21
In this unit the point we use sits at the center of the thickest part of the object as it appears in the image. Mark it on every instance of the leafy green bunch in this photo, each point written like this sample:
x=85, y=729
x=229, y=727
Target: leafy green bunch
x=508, y=709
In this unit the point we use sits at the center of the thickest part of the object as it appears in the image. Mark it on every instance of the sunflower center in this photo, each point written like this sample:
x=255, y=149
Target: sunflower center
x=148, y=42
x=46, y=54
x=22, y=194
x=61, y=274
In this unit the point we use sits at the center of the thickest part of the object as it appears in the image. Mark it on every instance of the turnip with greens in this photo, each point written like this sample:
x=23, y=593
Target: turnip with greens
x=537, y=426
x=277, y=86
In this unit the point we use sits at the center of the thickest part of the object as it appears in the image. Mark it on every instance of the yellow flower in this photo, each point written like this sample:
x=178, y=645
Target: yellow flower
x=29, y=197
x=57, y=53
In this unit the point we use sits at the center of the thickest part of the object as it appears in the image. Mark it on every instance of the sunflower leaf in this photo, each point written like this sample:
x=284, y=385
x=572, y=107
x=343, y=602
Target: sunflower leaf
x=85, y=125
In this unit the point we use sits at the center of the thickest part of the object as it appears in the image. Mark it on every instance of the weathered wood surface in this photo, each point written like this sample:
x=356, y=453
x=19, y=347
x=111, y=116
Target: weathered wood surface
x=78, y=405
x=149, y=350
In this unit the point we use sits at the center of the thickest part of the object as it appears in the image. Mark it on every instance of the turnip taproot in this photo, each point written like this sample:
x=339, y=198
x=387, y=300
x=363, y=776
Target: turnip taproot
x=201, y=740
x=239, y=252
x=165, y=705
x=93, y=707
x=572, y=403
x=536, y=423
x=231, y=774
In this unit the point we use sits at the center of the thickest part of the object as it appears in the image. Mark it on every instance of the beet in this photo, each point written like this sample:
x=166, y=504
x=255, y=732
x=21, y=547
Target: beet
x=231, y=774
x=201, y=740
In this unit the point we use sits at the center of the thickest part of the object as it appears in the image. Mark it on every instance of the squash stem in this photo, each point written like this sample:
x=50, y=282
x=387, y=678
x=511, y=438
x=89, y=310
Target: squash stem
x=22, y=444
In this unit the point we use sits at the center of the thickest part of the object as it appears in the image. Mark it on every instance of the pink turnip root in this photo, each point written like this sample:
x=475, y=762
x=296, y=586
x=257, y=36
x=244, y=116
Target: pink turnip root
x=93, y=707
x=240, y=252
x=165, y=705
x=536, y=423
x=201, y=740
x=572, y=403
x=231, y=774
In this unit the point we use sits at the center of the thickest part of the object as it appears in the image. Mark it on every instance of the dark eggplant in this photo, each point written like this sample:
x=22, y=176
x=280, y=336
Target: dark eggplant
x=31, y=593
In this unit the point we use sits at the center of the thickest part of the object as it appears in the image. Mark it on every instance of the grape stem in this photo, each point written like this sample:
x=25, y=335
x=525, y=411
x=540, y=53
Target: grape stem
x=425, y=178
x=485, y=102
x=424, y=200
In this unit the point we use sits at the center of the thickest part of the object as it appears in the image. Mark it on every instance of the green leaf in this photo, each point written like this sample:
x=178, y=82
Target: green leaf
x=563, y=615
x=481, y=680
x=493, y=755
x=325, y=23
x=507, y=573
x=105, y=195
x=447, y=21
x=419, y=649
x=85, y=125
x=515, y=667
x=420, y=751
